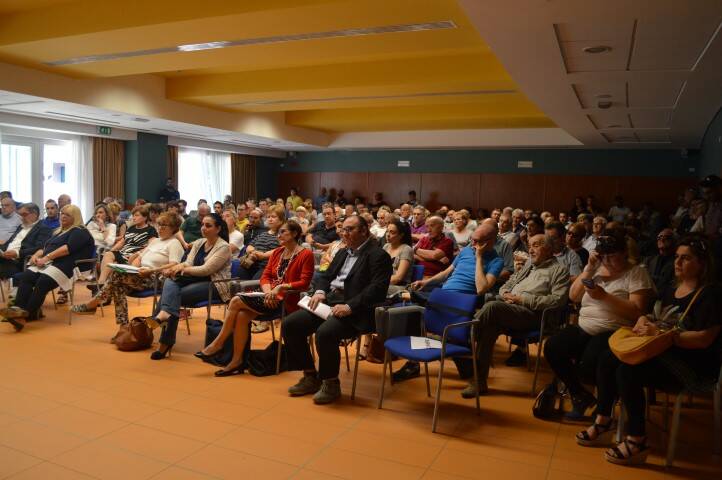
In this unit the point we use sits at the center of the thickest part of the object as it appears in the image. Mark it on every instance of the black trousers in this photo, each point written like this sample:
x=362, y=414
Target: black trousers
x=8, y=268
x=573, y=354
x=296, y=329
x=33, y=288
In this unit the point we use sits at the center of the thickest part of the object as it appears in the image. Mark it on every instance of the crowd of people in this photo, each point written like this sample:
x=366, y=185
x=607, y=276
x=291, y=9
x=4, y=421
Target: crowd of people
x=613, y=265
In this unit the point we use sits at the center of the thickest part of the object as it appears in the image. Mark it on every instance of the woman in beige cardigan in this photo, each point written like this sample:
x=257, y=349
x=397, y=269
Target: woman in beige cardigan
x=187, y=282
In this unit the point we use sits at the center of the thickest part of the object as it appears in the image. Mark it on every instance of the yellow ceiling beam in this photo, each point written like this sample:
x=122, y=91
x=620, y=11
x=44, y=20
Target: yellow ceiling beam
x=500, y=112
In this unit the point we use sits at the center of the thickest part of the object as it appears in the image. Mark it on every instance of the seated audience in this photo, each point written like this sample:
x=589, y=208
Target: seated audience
x=187, y=283
x=162, y=252
x=661, y=266
x=520, y=259
x=301, y=218
x=242, y=217
x=418, y=225
x=126, y=249
x=543, y=283
x=574, y=236
x=295, y=199
x=260, y=249
x=619, y=212
x=218, y=207
x=534, y=226
x=506, y=231
x=320, y=199
x=27, y=239
x=9, y=219
x=330, y=252
x=256, y=226
x=355, y=282
x=102, y=229
x=598, y=224
x=461, y=231
x=191, y=228
x=154, y=211
x=235, y=237
x=693, y=359
x=613, y=293
x=378, y=230
x=52, y=214
x=578, y=208
x=398, y=246
x=322, y=234
x=405, y=213
x=289, y=268
x=435, y=251
x=51, y=267
x=564, y=255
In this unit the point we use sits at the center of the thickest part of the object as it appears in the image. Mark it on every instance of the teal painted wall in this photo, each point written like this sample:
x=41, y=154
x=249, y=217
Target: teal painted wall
x=146, y=167
x=666, y=163
x=266, y=176
x=710, y=156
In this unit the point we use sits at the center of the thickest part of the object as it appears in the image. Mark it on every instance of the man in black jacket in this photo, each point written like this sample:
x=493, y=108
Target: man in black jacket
x=29, y=237
x=354, y=283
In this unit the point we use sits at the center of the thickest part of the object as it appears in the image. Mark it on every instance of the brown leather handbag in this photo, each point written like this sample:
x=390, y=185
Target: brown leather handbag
x=135, y=335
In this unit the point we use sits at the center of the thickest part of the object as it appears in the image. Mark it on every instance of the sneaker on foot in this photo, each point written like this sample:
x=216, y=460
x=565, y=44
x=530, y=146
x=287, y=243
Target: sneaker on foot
x=408, y=371
x=517, y=358
x=307, y=384
x=329, y=392
x=470, y=390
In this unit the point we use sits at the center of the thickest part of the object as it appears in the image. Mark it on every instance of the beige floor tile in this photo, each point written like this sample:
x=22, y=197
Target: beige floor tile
x=292, y=426
x=13, y=461
x=47, y=470
x=109, y=463
x=80, y=422
x=177, y=473
x=223, y=463
x=38, y=440
x=115, y=406
x=7, y=419
x=434, y=475
x=187, y=425
x=270, y=445
x=152, y=443
x=562, y=475
x=311, y=475
x=380, y=446
x=21, y=404
x=470, y=465
x=218, y=410
x=351, y=465
x=504, y=449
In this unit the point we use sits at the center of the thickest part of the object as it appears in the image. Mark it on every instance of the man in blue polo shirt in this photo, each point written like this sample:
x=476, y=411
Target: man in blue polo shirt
x=474, y=270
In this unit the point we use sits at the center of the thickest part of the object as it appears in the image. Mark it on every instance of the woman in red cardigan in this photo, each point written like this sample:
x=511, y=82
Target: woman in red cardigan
x=289, y=268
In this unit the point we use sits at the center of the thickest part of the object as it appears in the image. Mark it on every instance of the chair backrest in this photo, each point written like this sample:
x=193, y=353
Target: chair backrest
x=417, y=273
x=235, y=268
x=446, y=307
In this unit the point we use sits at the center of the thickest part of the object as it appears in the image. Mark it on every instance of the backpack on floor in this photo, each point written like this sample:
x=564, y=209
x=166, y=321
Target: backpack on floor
x=547, y=405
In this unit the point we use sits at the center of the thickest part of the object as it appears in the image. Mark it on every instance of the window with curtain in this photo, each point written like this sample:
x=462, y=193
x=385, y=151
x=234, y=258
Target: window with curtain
x=203, y=174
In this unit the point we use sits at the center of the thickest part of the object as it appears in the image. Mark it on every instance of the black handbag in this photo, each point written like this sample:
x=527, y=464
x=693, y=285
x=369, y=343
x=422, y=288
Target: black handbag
x=262, y=363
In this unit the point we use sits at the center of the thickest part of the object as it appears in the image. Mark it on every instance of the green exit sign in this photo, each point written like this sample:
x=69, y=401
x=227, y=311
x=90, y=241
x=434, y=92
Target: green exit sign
x=104, y=130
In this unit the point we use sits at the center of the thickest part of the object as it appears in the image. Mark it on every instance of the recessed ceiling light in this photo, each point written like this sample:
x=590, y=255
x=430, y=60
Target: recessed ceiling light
x=597, y=49
x=604, y=104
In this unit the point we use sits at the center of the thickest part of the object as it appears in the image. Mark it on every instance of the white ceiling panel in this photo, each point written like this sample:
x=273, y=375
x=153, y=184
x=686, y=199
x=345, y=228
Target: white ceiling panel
x=588, y=93
x=603, y=119
x=653, y=137
x=660, y=92
x=577, y=60
x=650, y=118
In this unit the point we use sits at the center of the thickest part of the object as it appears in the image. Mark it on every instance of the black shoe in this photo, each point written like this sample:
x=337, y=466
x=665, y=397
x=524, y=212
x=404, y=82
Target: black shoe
x=158, y=355
x=93, y=288
x=516, y=359
x=231, y=371
x=408, y=371
x=581, y=402
x=207, y=358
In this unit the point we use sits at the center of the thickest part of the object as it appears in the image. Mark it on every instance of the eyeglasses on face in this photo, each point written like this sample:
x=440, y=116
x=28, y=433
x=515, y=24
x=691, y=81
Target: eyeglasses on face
x=349, y=229
x=664, y=237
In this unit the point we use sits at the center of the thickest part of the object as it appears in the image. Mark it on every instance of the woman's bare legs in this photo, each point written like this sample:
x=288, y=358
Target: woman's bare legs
x=108, y=257
x=240, y=337
x=229, y=324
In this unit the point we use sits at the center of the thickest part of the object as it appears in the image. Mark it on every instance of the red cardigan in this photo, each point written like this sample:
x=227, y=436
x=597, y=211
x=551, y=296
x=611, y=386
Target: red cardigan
x=298, y=274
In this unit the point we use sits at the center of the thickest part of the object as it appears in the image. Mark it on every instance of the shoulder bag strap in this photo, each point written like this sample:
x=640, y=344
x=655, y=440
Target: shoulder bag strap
x=689, y=305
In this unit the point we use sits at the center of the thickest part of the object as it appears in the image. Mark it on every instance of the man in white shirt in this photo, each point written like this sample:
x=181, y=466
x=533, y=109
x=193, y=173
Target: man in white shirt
x=9, y=219
x=27, y=239
x=619, y=212
x=598, y=224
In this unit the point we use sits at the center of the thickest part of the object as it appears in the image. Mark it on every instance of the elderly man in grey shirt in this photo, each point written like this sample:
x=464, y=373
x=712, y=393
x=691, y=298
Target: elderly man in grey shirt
x=542, y=283
x=566, y=256
x=9, y=219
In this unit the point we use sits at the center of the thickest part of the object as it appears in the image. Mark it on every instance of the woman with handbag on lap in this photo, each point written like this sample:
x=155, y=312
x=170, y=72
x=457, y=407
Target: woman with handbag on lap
x=290, y=267
x=187, y=283
x=693, y=358
x=51, y=267
x=613, y=293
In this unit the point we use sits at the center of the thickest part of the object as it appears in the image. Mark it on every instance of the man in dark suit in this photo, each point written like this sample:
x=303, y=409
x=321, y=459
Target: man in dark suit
x=354, y=283
x=29, y=237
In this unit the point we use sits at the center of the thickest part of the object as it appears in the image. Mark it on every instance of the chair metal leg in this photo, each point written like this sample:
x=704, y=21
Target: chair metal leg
x=71, y=294
x=476, y=376
x=438, y=395
x=55, y=303
x=665, y=412
x=620, y=423
x=428, y=384
x=528, y=355
x=2, y=290
x=348, y=364
x=280, y=346
x=673, y=433
x=716, y=405
x=355, y=366
x=273, y=331
x=536, y=367
x=387, y=363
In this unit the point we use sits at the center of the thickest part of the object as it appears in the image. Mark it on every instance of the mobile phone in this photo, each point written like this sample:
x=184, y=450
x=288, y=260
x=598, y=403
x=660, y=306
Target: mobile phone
x=588, y=283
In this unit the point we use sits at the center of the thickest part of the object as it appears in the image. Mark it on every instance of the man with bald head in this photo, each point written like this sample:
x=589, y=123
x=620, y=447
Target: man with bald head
x=435, y=250
x=542, y=283
x=63, y=200
x=474, y=271
x=190, y=231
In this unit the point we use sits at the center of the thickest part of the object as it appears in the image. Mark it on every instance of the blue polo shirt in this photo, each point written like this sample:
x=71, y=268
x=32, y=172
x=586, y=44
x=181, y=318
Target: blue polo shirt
x=462, y=277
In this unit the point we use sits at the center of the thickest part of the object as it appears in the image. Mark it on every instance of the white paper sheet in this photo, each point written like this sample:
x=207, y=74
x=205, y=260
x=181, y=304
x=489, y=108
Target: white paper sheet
x=253, y=294
x=421, y=343
x=121, y=267
x=322, y=310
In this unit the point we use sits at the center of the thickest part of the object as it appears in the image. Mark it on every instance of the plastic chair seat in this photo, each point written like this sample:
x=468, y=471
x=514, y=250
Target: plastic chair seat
x=141, y=294
x=401, y=347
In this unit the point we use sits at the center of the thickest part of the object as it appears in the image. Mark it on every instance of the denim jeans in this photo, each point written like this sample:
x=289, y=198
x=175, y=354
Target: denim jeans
x=173, y=297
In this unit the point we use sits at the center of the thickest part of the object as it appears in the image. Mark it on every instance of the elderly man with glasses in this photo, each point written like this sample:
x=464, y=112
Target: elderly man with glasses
x=9, y=219
x=27, y=239
x=661, y=266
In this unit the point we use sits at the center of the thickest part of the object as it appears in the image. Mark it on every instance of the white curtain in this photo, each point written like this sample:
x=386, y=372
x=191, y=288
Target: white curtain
x=81, y=162
x=203, y=174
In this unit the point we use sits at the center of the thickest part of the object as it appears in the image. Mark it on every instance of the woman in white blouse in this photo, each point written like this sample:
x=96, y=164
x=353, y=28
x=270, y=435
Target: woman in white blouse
x=102, y=228
x=235, y=237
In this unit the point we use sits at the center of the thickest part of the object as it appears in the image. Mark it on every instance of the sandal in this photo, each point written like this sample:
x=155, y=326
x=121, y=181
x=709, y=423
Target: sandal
x=62, y=298
x=635, y=453
x=83, y=309
x=603, y=434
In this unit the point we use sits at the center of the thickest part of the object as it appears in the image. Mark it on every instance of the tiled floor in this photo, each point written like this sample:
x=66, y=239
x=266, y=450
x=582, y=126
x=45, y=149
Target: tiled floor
x=72, y=406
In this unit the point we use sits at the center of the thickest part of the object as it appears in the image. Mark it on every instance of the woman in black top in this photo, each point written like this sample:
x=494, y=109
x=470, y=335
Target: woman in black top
x=51, y=267
x=695, y=357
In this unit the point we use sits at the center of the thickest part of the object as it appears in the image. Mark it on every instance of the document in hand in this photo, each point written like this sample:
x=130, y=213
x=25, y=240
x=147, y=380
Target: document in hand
x=421, y=343
x=121, y=267
x=253, y=294
x=322, y=310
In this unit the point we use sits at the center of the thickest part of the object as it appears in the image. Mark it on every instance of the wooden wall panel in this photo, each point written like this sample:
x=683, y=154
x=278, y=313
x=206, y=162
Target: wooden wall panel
x=662, y=192
x=560, y=190
x=456, y=189
x=394, y=186
x=307, y=183
x=353, y=183
x=502, y=190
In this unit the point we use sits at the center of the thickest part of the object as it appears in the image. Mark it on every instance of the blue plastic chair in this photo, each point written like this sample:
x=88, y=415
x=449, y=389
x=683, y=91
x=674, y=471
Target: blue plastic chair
x=417, y=273
x=448, y=315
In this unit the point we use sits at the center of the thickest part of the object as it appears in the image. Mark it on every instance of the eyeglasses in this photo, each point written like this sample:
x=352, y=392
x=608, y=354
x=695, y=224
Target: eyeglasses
x=348, y=229
x=664, y=237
